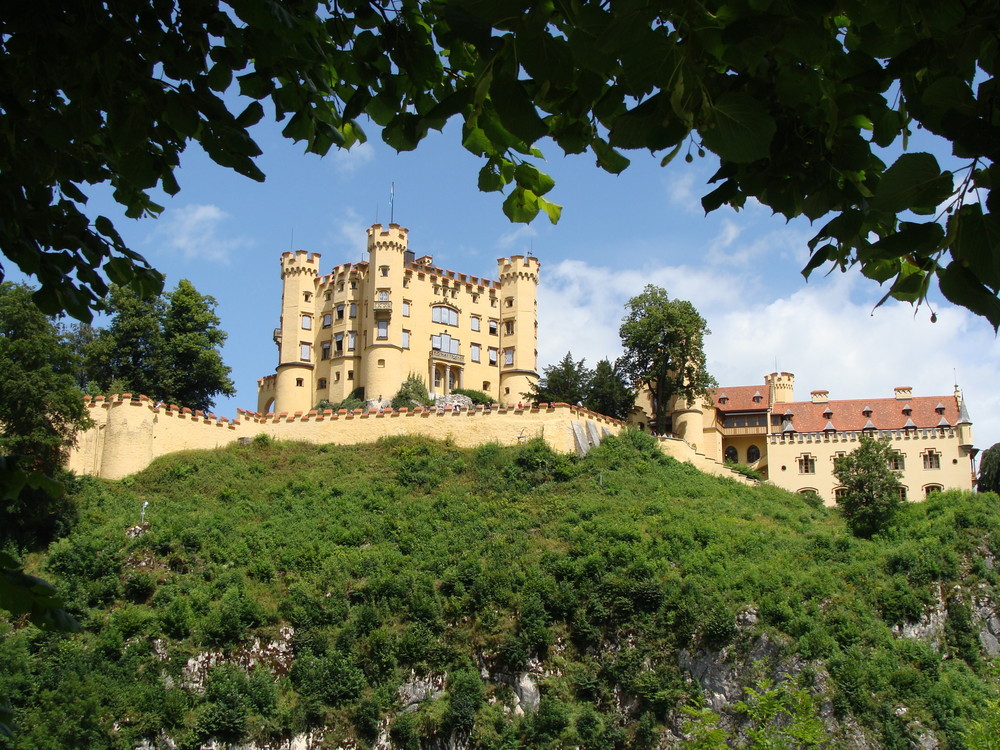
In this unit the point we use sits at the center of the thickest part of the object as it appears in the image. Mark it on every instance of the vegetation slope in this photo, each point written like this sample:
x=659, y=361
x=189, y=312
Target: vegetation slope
x=326, y=587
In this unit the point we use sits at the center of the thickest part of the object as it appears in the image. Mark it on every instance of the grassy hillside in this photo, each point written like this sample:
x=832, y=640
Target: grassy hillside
x=402, y=589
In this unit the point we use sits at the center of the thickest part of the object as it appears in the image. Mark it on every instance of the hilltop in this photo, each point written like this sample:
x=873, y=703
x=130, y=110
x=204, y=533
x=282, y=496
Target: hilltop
x=410, y=593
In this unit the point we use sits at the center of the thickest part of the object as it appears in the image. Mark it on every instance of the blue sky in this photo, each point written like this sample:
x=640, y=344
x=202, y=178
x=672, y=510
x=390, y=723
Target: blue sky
x=617, y=233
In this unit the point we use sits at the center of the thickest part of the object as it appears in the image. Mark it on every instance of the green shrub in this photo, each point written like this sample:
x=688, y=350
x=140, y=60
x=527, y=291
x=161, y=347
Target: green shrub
x=412, y=392
x=478, y=397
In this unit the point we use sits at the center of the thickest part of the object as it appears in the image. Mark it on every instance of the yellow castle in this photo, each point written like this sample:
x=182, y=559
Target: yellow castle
x=793, y=444
x=364, y=327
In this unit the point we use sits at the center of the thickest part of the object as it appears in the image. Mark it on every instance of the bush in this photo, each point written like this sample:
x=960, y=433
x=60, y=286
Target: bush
x=412, y=393
x=477, y=397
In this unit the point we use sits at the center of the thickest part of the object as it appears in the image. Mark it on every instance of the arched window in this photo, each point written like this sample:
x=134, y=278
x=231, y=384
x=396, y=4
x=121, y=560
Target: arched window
x=732, y=456
x=446, y=315
x=930, y=489
x=753, y=454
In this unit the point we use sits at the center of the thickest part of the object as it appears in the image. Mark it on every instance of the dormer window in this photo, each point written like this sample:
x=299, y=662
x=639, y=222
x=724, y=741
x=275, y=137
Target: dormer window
x=828, y=412
x=757, y=398
x=867, y=411
x=939, y=408
x=907, y=410
x=723, y=399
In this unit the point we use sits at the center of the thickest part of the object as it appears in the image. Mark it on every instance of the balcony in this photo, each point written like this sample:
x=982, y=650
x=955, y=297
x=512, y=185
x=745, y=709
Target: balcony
x=447, y=356
x=735, y=431
x=382, y=306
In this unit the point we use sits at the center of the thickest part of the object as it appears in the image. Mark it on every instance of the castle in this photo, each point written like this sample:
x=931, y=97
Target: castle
x=793, y=444
x=365, y=327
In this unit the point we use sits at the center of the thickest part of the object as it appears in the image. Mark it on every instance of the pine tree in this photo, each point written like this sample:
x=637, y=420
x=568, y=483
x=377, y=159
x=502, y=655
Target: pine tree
x=567, y=381
x=989, y=470
x=609, y=394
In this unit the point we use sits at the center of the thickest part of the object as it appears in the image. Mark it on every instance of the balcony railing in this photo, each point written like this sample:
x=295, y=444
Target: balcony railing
x=733, y=431
x=438, y=354
x=381, y=305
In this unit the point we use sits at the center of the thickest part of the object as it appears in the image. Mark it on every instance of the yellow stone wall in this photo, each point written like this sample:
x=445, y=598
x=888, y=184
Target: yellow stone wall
x=372, y=324
x=129, y=434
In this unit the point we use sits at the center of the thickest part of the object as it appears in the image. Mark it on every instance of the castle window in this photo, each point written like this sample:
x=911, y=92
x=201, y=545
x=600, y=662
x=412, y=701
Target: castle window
x=406, y=308
x=508, y=356
x=486, y=386
x=475, y=298
x=446, y=315
x=474, y=322
x=383, y=270
x=340, y=312
x=930, y=489
x=509, y=302
x=340, y=286
x=327, y=296
x=902, y=493
x=299, y=382
x=321, y=384
x=753, y=454
x=383, y=295
x=932, y=459
x=839, y=494
x=339, y=343
x=307, y=322
x=406, y=339
x=327, y=320
x=336, y=377
x=354, y=285
x=493, y=301
x=307, y=296
x=444, y=343
x=474, y=352
x=493, y=327
x=324, y=350
x=508, y=328
x=807, y=464
x=383, y=329
x=493, y=356
x=305, y=352
x=452, y=379
x=352, y=340
x=381, y=363
x=437, y=377
x=353, y=310
x=732, y=456
x=350, y=374
x=406, y=282
x=897, y=461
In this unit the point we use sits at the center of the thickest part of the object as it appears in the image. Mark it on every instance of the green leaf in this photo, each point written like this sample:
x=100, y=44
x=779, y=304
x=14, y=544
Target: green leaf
x=960, y=286
x=914, y=182
x=821, y=256
x=976, y=243
x=920, y=239
x=516, y=110
x=722, y=194
x=607, y=158
x=476, y=141
x=489, y=179
x=528, y=176
x=521, y=206
x=553, y=210
x=741, y=129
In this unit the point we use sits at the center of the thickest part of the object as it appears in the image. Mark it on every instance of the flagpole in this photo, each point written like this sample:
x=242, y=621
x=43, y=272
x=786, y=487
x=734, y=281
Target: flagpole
x=392, y=193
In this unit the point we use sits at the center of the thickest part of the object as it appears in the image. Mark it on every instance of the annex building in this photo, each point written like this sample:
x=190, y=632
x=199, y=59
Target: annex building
x=363, y=328
x=793, y=444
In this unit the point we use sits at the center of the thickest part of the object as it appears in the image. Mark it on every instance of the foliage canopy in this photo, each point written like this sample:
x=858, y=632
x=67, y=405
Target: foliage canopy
x=801, y=102
x=989, y=470
x=664, y=343
x=872, y=492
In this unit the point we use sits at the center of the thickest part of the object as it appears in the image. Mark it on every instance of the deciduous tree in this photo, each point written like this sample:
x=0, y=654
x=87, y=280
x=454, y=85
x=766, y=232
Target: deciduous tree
x=871, y=492
x=989, y=470
x=801, y=102
x=664, y=343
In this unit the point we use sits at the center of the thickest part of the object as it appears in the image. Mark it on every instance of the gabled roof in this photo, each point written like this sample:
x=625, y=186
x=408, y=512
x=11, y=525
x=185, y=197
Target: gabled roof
x=740, y=398
x=886, y=413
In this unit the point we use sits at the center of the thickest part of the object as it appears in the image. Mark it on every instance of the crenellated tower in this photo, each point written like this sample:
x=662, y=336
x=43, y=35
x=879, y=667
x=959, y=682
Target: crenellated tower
x=295, y=336
x=518, y=276
x=383, y=319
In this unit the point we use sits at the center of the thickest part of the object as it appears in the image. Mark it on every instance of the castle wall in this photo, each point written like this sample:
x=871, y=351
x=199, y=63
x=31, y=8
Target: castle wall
x=129, y=434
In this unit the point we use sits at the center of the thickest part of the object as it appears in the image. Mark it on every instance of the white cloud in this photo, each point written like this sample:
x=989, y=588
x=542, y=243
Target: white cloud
x=193, y=231
x=826, y=332
x=348, y=161
x=681, y=192
x=516, y=237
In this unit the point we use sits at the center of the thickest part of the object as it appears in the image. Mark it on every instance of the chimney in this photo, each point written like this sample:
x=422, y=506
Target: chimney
x=820, y=397
x=903, y=392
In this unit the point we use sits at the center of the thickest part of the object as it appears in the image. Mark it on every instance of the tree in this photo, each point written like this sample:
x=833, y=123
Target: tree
x=871, y=492
x=989, y=470
x=41, y=408
x=664, y=343
x=800, y=102
x=166, y=348
x=609, y=393
x=566, y=381
x=193, y=370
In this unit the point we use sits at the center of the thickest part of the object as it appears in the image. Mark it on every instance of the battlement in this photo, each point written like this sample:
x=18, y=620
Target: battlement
x=393, y=236
x=298, y=262
x=522, y=266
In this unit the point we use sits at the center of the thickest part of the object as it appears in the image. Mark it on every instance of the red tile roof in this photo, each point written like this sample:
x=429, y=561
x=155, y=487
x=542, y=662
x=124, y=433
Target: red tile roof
x=740, y=398
x=886, y=413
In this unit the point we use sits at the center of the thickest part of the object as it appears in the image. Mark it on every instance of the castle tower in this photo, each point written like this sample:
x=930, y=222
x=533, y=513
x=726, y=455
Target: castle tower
x=518, y=325
x=382, y=305
x=782, y=386
x=294, y=386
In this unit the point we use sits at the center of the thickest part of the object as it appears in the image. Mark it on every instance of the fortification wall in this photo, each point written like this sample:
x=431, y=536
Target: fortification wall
x=128, y=434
